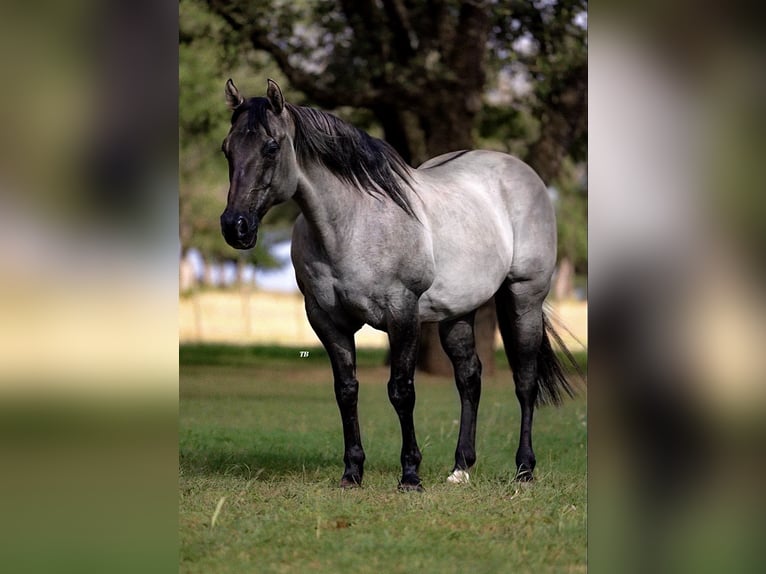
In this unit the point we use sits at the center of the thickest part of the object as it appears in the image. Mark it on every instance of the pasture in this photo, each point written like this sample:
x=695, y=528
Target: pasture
x=261, y=455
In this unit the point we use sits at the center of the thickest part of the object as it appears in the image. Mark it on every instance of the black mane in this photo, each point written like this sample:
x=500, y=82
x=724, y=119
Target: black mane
x=350, y=153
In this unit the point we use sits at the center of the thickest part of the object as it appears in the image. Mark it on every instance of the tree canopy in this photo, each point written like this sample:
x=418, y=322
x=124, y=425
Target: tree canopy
x=432, y=75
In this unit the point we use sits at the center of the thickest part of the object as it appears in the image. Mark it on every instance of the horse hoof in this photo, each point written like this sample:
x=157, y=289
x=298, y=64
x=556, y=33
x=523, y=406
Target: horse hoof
x=524, y=475
x=459, y=477
x=350, y=482
x=411, y=486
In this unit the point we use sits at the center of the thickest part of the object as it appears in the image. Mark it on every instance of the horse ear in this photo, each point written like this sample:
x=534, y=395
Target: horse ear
x=233, y=97
x=274, y=94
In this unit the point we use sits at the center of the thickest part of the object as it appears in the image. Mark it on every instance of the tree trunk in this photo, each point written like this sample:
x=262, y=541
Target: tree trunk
x=431, y=356
x=485, y=328
x=433, y=360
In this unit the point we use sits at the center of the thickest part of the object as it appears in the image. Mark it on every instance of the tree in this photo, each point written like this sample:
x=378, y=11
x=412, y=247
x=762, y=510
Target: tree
x=420, y=66
x=550, y=40
x=206, y=59
x=556, y=63
x=572, y=217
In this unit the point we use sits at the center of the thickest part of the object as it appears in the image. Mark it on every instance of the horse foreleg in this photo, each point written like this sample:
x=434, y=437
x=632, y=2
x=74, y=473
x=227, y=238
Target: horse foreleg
x=341, y=349
x=403, y=331
x=457, y=338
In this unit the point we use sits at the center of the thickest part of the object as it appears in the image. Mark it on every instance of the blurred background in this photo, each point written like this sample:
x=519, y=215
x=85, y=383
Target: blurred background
x=429, y=77
x=88, y=286
x=676, y=394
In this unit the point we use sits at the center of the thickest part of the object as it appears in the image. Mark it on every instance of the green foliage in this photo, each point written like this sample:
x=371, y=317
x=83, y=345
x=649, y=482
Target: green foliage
x=264, y=442
x=417, y=73
x=545, y=45
x=207, y=57
x=572, y=217
x=506, y=128
x=202, y=69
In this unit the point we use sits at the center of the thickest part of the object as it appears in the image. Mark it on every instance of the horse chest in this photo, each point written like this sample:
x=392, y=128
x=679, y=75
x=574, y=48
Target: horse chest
x=352, y=295
x=361, y=278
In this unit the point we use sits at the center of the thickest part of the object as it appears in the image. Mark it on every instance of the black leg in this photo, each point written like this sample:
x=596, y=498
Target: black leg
x=521, y=322
x=457, y=338
x=403, y=331
x=341, y=349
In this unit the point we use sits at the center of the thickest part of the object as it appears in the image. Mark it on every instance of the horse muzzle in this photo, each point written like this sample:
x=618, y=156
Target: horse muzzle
x=239, y=231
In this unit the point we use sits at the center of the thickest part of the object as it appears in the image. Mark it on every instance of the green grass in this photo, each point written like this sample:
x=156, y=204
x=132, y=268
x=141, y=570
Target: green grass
x=231, y=355
x=259, y=429
x=235, y=355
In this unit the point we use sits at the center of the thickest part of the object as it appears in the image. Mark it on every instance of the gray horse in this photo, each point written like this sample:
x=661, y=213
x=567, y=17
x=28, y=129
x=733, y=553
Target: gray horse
x=380, y=243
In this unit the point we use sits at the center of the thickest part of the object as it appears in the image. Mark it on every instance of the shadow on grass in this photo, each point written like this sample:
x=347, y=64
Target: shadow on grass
x=264, y=452
x=257, y=464
x=278, y=456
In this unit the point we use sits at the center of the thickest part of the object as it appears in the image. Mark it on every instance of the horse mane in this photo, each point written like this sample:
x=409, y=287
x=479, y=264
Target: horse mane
x=368, y=163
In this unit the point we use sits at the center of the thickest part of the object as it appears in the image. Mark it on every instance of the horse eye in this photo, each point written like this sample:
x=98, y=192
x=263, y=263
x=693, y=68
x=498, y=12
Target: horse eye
x=270, y=148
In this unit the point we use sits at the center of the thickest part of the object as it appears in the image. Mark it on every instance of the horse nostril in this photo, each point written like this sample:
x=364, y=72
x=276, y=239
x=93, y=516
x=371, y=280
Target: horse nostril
x=241, y=226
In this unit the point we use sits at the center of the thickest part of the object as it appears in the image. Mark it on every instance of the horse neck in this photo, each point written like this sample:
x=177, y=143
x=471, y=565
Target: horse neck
x=325, y=201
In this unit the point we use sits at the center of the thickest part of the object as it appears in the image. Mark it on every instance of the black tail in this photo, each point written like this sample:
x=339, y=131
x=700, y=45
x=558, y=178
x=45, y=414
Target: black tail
x=551, y=379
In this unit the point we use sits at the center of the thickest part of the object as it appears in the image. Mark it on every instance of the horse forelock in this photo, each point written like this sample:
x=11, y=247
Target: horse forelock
x=256, y=109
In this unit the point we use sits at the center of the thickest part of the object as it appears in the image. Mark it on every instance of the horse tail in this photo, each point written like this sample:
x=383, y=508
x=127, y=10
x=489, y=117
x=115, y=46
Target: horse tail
x=552, y=381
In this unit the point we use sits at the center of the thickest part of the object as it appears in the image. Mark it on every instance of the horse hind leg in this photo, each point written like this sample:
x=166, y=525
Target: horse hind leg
x=457, y=339
x=522, y=327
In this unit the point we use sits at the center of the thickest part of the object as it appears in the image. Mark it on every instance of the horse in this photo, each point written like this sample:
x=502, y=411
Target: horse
x=380, y=243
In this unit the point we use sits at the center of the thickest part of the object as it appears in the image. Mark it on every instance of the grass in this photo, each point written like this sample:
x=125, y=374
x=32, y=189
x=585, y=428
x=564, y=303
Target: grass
x=261, y=455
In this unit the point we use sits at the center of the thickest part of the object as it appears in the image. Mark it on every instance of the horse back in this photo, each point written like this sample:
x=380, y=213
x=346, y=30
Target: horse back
x=490, y=218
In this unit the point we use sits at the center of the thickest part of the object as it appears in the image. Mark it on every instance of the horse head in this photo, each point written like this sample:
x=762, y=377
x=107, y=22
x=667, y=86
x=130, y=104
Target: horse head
x=262, y=164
